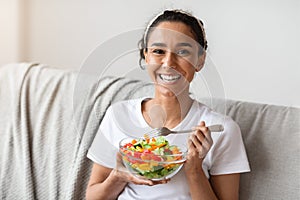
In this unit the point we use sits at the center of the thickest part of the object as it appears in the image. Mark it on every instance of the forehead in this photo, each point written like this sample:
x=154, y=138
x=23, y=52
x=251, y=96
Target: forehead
x=172, y=33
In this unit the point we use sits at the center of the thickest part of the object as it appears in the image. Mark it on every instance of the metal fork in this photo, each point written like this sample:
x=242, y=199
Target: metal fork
x=164, y=131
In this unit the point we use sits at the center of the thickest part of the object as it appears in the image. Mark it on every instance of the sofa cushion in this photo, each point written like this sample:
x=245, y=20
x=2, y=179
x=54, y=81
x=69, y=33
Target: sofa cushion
x=271, y=136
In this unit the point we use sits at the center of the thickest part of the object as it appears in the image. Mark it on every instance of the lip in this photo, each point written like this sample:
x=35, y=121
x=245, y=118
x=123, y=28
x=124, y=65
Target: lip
x=169, y=72
x=171, y=76
x=168, y=78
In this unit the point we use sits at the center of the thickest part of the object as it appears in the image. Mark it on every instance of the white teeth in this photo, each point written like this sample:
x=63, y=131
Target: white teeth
x=169, y=77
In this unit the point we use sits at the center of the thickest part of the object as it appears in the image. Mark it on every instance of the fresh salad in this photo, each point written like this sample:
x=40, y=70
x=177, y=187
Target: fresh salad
x=152, y=158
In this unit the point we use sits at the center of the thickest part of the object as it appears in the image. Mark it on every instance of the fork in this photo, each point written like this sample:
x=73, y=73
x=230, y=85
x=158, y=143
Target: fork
x=164, y=131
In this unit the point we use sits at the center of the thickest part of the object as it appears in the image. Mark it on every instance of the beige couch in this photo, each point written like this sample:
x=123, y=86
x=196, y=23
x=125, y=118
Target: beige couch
x=48, y=122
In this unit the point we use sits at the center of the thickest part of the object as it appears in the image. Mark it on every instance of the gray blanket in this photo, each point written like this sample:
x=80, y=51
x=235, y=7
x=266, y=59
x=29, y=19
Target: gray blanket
x=49, y=118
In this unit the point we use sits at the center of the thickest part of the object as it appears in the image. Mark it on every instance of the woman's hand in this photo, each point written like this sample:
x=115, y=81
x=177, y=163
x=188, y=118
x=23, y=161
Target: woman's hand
x=124, y=175
x=199, y=143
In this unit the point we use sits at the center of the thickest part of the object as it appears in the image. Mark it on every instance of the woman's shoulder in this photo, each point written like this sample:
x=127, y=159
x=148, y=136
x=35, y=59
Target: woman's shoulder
x=213, y=117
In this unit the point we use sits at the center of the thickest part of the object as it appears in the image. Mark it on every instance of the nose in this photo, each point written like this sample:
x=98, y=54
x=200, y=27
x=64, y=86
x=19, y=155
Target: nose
x=169, y=60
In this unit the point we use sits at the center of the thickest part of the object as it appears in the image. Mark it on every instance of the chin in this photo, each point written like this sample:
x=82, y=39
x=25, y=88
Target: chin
x=171, y=90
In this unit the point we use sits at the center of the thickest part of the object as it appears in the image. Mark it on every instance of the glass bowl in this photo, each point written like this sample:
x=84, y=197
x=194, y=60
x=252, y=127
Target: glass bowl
x=153, y=158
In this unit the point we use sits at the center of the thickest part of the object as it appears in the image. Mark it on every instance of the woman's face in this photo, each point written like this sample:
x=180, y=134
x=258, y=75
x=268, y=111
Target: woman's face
x=172, y=57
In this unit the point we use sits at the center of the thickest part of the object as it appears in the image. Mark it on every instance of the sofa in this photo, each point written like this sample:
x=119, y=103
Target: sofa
x=50, y=116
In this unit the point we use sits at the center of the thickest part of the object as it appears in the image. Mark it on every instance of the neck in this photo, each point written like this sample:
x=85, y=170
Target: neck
x=166, y=111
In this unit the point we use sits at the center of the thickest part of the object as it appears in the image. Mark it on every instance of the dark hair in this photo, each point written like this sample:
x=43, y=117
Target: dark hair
x=175, y=16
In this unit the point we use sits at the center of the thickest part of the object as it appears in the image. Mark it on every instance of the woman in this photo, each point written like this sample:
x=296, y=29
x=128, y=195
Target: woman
x=174, y=48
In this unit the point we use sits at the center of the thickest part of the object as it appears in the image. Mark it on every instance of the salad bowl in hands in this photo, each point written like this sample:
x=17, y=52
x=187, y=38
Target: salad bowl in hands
x=152, y=158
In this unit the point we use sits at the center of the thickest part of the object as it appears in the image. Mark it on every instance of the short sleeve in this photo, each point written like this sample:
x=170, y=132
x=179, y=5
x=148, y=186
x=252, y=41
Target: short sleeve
x=103, y=151
x=228, y=152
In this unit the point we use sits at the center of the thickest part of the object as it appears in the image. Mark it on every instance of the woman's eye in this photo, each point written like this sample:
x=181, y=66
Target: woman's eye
x=183, y=52
x=158, y=51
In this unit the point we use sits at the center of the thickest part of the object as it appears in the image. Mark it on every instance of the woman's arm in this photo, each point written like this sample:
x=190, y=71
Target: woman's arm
x=103, y=180
x=226, y=186
x=220, y=186
x=223, y=187
x=200, y=187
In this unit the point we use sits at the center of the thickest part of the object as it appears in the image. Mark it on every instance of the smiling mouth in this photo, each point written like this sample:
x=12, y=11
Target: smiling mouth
x=169, y=78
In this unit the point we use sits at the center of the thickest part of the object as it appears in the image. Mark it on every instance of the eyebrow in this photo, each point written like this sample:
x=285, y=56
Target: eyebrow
x=184, y=44
x=164, y=45
x=158, y=44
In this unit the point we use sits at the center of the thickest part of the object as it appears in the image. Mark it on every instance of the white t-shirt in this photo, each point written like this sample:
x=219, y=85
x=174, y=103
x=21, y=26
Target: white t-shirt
x=227, y=154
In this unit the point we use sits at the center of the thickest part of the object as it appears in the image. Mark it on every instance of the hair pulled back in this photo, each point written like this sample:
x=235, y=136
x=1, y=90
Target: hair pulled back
x=176, y=15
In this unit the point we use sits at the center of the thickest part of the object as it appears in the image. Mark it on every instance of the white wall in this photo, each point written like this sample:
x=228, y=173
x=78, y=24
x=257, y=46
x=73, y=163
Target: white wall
x=253, y=44
x=9, y=31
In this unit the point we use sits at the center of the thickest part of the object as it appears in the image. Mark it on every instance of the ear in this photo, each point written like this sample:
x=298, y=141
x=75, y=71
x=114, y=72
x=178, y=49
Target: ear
x=201, y=62
x=145, y=55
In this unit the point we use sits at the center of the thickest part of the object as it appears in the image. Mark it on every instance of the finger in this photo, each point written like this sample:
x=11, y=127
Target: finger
x=200, y=136
x=119, y=156
x=206, y=146
x=198, y=127
x=161, y=181
x=207, y=134
x=202, y=123
x=203, y=129
x=198, y=131
x=203, y=133
x=120, y=166
x=140, y=181
x=190, y=144
x=192, y=149
x=208, y=140
x=208, y=137
x=196, y=142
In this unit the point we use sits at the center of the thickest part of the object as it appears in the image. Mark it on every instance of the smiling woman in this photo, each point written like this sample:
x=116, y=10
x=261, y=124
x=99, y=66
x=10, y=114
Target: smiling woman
x=172, y=58
x=174, y=49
